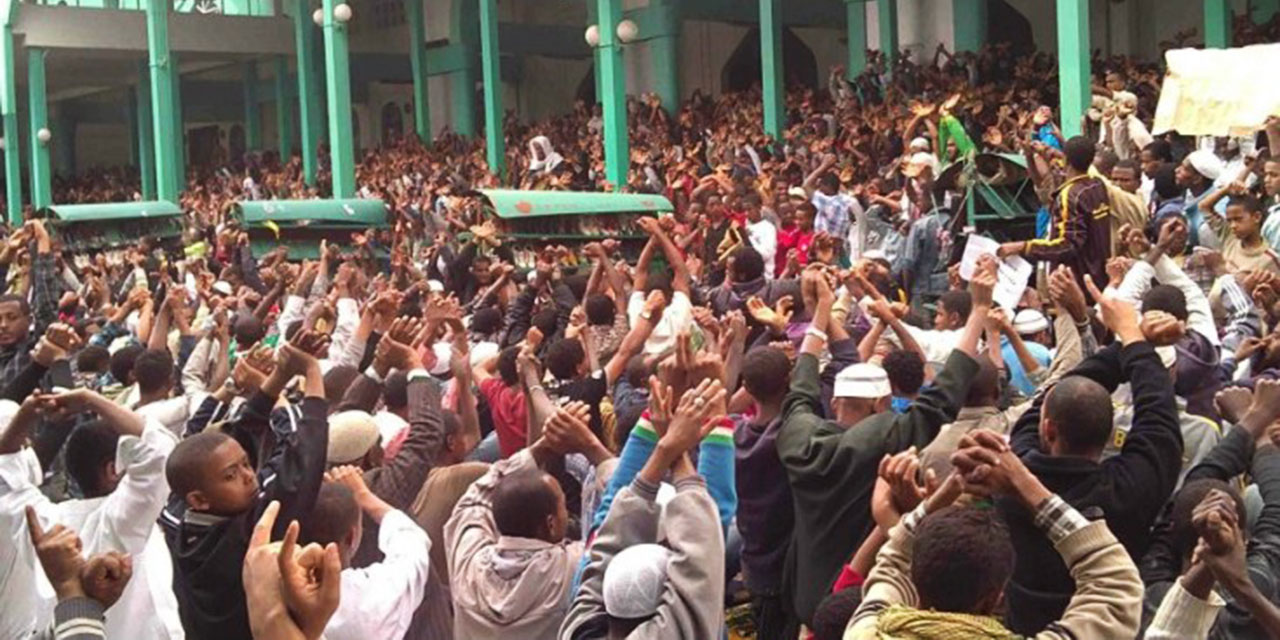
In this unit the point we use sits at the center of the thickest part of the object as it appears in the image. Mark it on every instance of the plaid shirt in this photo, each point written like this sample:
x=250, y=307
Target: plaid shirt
x=46, y=288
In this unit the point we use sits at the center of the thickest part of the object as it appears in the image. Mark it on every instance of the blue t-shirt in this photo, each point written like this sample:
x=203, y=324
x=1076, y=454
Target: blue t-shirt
x=1018, y=375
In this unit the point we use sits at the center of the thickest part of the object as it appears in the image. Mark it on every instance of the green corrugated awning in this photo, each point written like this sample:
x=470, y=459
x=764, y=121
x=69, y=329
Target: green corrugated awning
x=74, y=213
x=313, y=213
x=513, y=203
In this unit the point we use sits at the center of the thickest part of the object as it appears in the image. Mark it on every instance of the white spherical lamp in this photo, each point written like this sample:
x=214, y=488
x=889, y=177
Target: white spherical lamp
x=342, y=12
x=317, y=16
x=593, y=35
x=627, y=31
x=44, y=135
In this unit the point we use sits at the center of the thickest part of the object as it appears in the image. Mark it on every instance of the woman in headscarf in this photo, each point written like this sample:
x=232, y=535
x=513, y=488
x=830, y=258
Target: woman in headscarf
x=542, y=158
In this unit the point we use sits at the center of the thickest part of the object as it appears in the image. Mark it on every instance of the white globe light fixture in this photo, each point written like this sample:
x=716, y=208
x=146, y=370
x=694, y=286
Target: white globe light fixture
x=627, y=31
x=593, y=35
x=317, y=16
x=342, y=12
x=44, y=135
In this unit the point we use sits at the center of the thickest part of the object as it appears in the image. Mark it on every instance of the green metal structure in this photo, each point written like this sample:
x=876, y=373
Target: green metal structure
x=775, y=113
x=495, y=150
x=1073, y=64
x=337, y=73
x=309, y=120
x=613, y=82
x=856, y=32
x=887, y=15
x=168, y=179
x=998, y=195
x=9, y=114
x=301, y=224
x=38, y=115
x=116, y=224
x=418, y=65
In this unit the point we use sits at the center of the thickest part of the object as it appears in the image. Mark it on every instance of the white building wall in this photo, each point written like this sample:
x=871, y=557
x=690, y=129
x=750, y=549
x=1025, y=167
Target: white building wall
x=705, y=47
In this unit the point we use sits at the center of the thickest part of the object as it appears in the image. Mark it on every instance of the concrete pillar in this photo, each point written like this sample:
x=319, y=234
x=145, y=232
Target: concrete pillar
x=771, y=80
x=418, y=63
x=337, y=73
x=310, y=120
x=856, y=29
x=38, y=117
x=1073, y=64
x=664, y=56
x=146, y=140
x=9, y=115
x=177, y=133
x=162, y=103
x=490, y=68
x=887, y=18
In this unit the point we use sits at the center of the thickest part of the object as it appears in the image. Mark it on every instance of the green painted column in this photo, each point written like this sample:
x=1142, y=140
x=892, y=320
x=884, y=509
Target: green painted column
x=418, y=64
x=9, y=115
x=146, y=141
x=1073, y=64
x=162, y=116
x=969, y=20
x=178, y=134
x=38, y=117
x=856, y=27
x=771, y=68
x=284, y=110
x=463, y=97
x=252, y=114
x=337, y=74
x=1217, y=24
x=1263, y=11
x=310, y=120
x=64, y=143
x=613, y=81
x=491, y=72
x=887, y=24
x=664, y=55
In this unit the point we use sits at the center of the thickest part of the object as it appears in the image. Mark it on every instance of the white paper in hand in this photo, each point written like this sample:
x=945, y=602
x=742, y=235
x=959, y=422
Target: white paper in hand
x=975, y=247
x=1011, y=281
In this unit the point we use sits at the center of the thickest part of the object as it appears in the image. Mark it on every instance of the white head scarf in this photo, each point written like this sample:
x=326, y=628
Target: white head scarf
x=550, y=159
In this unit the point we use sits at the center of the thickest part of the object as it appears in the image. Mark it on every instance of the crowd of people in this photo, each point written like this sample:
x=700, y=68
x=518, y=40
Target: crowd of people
x=802, y=410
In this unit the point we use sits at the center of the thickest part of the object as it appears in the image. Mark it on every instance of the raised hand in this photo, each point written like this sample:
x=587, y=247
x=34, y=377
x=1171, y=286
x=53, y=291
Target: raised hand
x=59, y=552
x=899, y=488
x=1161, y=328
x=396, y=349
x=1119, y=315
x=983, y=282
x=1066, y=293
x=693, y=417
x=1233, y=403
x=310, y=578
x=567, y=429
x=105, y=576
x=661, y=405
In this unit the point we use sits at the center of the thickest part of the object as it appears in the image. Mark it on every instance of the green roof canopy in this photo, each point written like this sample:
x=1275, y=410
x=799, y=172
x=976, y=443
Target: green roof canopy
x=73, y=213
x=512, y=203
x=354, y=213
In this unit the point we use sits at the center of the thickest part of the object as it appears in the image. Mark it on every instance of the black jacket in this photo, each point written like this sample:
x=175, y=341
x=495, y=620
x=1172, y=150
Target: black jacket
x=208, y=551
x=1128, y=489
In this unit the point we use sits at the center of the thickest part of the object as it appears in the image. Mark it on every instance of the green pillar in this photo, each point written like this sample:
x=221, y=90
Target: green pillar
x=613, y=80
x=771, y=68
x=310, y=121
x=162, y=116
x=418, y=63
x=887, y=24
x=1073, y=64
x=146, y=141
x=337, y=73
x=664, y=55
x=178, y=132
x=463, y=93
x=252, y=116
x=969, y=20
x=38, y=116
x=491, y=75
x=1217, y=24
x=9, y=114
x=856, y=27
x=490, y=68
x=64, y=143
x=1263, y=11
x=284, y=110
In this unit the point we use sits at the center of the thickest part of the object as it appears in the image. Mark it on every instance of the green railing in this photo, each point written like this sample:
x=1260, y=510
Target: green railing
x=256, y=8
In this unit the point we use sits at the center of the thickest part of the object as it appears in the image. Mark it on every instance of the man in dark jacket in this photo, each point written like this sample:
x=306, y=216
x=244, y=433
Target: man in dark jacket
x=746, y=280
x=218, y=497
x=1061, y=439
x=832, y=464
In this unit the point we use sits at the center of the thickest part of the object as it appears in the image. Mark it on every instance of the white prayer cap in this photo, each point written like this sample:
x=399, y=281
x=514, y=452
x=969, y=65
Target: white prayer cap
x=1206, y=163
x=797, y=192
x=223, y=287
x=444, y=355
x=634, y=581
x=1029, y=321
x=919, y=144
x=351, y=434
x=435, y=285
x=874, y=254
x=1168, y=355
x=1125, y=97
x=862, y=380
x=482, y=351
x=917, y=163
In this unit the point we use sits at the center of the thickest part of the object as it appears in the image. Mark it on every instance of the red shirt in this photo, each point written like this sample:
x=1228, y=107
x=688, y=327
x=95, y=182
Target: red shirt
x=792, y=238
x=510, y=417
